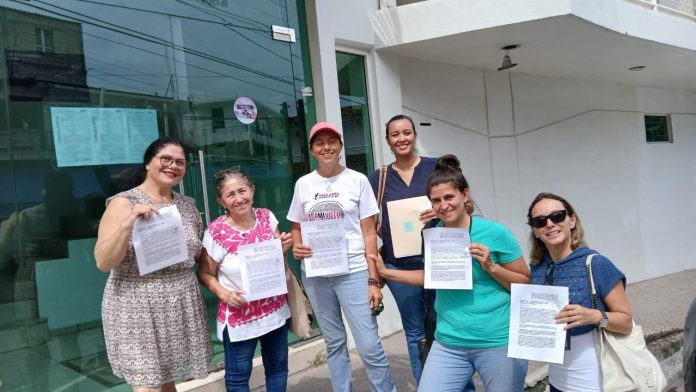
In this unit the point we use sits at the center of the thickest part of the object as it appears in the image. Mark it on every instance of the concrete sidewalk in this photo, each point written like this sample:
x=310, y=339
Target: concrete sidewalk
x=659, y=306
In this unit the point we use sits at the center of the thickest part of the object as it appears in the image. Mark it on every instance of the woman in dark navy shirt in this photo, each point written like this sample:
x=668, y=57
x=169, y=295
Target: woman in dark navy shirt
x=558, y=258
x=406, y=177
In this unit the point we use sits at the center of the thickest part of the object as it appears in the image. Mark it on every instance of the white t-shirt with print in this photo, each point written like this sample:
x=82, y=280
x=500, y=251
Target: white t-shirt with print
x=347, y=195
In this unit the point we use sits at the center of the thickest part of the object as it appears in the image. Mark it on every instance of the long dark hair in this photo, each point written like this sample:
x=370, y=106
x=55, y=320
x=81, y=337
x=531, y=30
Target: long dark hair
x=577, y=234
x=448, y=170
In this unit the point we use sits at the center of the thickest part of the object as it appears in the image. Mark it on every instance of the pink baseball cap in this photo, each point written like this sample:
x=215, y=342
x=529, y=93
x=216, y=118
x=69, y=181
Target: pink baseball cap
x=324, y=127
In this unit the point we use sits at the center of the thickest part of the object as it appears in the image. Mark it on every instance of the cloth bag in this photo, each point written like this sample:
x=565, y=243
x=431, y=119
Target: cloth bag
x=300, y=308
x=627, y=364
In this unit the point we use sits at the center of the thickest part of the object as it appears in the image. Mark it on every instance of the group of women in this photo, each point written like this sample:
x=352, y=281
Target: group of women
x=155, y=326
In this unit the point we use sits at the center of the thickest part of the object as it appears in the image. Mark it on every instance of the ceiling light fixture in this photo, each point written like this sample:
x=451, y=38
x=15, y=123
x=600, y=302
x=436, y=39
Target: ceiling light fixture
x=507, y=63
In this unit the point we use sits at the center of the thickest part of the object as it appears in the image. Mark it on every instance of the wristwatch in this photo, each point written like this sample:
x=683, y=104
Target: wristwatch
x=604, y=321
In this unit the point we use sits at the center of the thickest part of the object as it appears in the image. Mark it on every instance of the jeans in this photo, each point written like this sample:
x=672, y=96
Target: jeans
x=409, y=300
x=348, y=292
x=451, y=368
x=239, y=356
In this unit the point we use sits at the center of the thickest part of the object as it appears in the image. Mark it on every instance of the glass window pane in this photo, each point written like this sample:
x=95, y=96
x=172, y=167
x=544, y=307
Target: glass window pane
x=135, y=70
x=355, y=114
x=657, y=129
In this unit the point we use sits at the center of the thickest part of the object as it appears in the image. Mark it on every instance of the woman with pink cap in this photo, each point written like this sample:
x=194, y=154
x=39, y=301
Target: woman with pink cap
x=333, y=191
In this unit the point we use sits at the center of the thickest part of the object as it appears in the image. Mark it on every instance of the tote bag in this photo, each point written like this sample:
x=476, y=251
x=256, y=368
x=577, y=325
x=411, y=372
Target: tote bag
x=300, y=308
x=626, y=363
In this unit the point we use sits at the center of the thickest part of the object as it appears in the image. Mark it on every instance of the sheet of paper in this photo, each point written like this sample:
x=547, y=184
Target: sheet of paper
x=263, y=269
x=405, y=224
x=327, y=238
x=534, y=334
x=447, y=258
x=159, y=242
x=101, y=136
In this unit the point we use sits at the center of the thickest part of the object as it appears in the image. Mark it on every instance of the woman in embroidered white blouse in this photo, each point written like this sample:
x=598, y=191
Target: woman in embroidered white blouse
x=242, y=324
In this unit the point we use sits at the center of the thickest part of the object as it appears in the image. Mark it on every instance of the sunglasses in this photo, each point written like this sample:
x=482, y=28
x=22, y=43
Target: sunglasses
x=226, y=172
x=538, y=222
x=378, y=309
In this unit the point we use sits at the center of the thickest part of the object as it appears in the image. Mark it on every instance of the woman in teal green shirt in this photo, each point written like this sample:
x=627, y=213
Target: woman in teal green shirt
x=472, y=325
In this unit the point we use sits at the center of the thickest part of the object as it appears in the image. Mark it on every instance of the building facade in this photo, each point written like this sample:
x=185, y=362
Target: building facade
x=87, y=84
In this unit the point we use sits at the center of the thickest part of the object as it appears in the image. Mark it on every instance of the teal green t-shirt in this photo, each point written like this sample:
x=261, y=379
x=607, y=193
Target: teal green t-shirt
x=479, y=318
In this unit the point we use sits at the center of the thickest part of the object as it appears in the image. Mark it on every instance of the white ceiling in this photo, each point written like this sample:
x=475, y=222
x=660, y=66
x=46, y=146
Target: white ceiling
x=564, y=46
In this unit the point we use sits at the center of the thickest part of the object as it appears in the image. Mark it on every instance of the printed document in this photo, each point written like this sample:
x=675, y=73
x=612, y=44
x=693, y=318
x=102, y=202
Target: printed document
x=159, y=242
x=405, y=224
x=327, y=238
x=447, y=258
x=534, y=334
x=263, y=269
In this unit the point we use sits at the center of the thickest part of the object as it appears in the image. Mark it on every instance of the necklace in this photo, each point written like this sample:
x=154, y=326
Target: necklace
x=415, y=163
x=237, y=226
x=330, y=180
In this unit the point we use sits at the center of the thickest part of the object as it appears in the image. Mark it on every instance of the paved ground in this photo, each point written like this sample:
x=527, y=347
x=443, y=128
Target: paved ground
x=659, y=305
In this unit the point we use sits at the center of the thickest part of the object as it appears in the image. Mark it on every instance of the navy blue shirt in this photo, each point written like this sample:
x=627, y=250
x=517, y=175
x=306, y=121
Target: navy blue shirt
x=396, y=189
x=571, y=272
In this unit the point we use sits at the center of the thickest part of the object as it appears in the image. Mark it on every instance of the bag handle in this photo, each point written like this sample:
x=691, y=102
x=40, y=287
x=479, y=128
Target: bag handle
x=380, y=192
x=590, y=280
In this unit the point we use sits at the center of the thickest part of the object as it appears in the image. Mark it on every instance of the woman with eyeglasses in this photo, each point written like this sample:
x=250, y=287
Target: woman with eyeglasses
x=333, y=191
x=471, y=334
x=155, y=325
x=242, y=324
x=558, y=258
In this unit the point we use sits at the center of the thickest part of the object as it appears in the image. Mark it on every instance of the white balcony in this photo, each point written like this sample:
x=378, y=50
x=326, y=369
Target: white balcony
x=682, y=8
x=594, y=40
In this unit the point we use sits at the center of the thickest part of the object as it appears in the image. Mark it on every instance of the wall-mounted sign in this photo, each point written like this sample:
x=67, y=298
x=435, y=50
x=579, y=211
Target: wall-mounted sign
x=245, y=110
x=281, y=33
x=102, y=136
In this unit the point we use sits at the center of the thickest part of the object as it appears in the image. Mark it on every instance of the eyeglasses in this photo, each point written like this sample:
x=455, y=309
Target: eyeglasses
x=378, y=309
x=538, y=222
x=166, y=160
x=548, y=277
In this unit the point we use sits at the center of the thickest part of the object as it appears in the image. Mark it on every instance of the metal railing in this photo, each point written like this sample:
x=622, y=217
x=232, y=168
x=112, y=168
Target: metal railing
x=681, y=8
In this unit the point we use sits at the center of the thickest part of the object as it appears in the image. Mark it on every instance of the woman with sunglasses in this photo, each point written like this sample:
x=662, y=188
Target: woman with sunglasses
x=242, y=324
x=406, y=177
x=155, y=325
x=558, y=258
x=333, y=191
x=472, y=325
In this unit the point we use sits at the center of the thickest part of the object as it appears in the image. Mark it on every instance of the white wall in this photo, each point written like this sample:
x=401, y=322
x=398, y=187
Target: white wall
x=581, y=139
x=517, y=134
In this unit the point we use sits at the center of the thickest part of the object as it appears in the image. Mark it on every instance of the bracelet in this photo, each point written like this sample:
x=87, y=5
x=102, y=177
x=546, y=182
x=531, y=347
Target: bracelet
x=373, y=282
x=488, y=264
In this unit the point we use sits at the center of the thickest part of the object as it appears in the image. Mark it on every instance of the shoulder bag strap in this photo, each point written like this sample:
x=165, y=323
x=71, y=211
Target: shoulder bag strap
x=590, y=280
x=380, y=192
